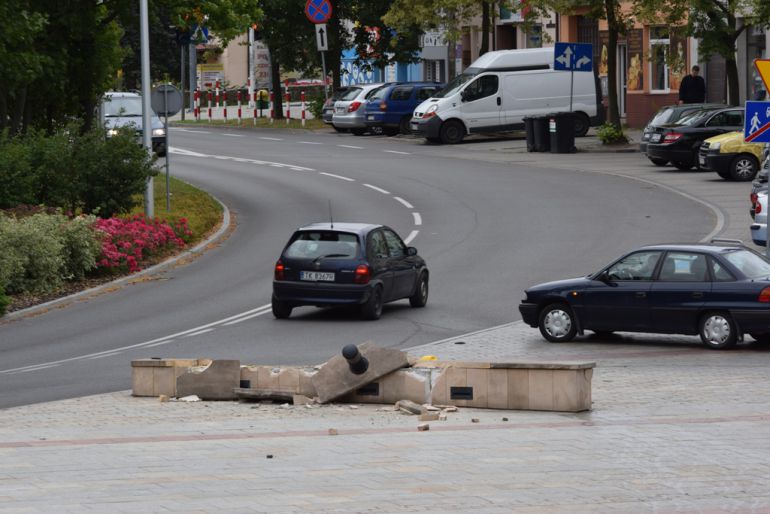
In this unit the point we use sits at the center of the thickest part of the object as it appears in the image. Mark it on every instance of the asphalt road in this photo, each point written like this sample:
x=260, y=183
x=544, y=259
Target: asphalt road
x=487, y=230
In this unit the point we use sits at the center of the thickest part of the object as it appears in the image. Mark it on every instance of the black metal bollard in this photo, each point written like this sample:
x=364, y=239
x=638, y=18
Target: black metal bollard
x=357, y=362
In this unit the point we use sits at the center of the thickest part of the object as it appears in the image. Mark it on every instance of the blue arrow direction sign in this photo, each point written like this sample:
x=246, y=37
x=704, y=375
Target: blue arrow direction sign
x=757, y=124
x=573, y=57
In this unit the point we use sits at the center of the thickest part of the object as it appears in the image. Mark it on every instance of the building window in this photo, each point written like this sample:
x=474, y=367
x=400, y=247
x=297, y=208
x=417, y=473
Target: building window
x=659, y=45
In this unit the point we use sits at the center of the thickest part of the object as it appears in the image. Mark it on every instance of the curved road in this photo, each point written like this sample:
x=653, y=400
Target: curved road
x=486, y=230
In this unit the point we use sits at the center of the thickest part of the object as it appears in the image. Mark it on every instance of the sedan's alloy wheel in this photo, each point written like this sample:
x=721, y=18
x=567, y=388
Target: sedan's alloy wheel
x=557, y=323
x=717, y=331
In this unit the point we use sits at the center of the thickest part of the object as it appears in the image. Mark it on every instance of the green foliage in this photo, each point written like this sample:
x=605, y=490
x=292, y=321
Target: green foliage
x=611, y=134
x=17, y=183
x=80, y=248
x=316, y=106
x=4, y=301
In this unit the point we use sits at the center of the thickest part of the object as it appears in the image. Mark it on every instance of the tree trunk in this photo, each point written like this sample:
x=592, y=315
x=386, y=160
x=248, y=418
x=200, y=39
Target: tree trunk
x=733, y=89
x=17, y=111
x=613, y=115
x=484, y=28
x=275, y=72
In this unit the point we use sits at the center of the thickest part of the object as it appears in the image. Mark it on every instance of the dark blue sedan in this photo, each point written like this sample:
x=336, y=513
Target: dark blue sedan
x=337, y=264
x=719, y=290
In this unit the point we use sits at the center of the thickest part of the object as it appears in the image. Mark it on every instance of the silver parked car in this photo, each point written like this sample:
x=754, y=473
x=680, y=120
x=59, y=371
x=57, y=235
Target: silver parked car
x=349, y=110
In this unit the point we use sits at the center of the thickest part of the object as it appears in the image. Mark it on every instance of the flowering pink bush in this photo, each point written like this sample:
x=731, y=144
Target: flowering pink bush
x=127, y=242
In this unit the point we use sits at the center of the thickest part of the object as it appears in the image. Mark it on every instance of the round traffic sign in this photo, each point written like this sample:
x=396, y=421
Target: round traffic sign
x=318, y=11
x=166, y=100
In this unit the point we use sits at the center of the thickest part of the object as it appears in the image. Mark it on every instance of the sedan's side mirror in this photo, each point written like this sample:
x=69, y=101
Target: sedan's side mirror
x=411, y=251
x=604, y=276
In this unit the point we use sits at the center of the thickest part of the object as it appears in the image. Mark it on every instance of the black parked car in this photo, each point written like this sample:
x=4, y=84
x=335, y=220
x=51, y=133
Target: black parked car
x=336, y=264
x=668, y=115
x=719, y=290
x=679, y=143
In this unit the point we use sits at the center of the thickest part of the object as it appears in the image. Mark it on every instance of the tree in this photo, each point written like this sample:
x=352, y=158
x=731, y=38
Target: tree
x=715, y=24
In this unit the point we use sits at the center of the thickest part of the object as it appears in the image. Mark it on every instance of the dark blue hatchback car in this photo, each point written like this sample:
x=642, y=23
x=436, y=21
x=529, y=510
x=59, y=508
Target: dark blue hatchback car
x=336, y=264
x=719, y=290
x=391, y=106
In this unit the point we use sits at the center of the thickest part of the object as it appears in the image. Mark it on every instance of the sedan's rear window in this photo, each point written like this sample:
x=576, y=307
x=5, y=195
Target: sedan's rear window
x=663, y=116
x=749, y=263
x=322, y=243
x=351, y=94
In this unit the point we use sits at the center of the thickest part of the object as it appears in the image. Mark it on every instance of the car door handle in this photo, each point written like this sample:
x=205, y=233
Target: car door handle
x=499, y=101
x=697, y=294
x=641, y=294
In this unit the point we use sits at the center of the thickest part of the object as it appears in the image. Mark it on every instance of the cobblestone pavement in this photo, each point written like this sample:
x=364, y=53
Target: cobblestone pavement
x=674, y=428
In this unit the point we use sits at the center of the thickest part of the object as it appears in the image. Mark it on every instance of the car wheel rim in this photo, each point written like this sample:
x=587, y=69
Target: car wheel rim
x=716, y=330
x=557, y=323
x=744, y=168
x=423, y=289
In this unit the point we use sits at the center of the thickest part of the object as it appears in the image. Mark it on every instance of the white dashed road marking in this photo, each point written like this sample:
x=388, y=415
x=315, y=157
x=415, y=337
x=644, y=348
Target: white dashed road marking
x=337, y=176
x=351, y=146
x=417, y=218
x=396, y=151
x=309, y=142
x=271, y=138
x=378, y=189
x=233, y=135
x=403, y=202
x=411, y=236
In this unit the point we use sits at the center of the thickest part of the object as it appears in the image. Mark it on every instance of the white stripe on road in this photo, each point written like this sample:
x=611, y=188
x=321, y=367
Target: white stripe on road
x=417, y=218
x=351, y=146
x=337, y=176
x=309, y=142
x=271, y=138
x=396, y=151
x=379, y=189
x=411, y=236
x=159, y=343
x=190, y=131
x=199, y=332
x=189, y=153
x=233, y=135
x=245, y=318
x=403, y=202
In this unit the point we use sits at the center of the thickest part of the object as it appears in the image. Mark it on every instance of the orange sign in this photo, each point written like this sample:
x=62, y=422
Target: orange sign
x=763, y=67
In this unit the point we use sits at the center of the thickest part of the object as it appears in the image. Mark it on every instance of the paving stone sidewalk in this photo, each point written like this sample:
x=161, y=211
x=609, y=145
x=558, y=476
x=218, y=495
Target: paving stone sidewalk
x=674, y=428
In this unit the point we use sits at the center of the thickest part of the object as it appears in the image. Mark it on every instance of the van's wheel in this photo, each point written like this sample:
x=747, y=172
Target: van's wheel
x=717, y=330
x=744, y=167
x=372, y=309
x=281, y=310
x=420, y=296
x=582, y=124
x=404, y=125
x=658, y=162
x=452, y=132
x=557, y=323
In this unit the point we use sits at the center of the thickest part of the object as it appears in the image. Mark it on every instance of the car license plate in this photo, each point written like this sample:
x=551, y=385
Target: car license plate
x=340, y=109
x=655, y=138
x=415, y=126
x=317, y=276
x=702, y=160
x=370, y=117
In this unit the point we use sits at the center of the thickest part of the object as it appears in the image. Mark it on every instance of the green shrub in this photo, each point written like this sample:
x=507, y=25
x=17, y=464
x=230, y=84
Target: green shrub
x=316, y=106
x=610, y=134
x=4, y=301
x=17, y=183
x=32, y=249
x=81, y=246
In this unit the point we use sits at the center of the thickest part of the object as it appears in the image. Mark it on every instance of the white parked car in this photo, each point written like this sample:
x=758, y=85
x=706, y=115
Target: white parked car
x=349, y=110
x=759, y=227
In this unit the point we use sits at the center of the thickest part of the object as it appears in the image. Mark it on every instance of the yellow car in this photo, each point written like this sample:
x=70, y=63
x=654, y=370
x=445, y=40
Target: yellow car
x=730, y=156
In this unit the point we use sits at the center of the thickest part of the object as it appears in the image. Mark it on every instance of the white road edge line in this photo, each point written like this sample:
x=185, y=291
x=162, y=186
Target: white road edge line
x=336, y=176
x=417, y=218
x=378, y=189
x=396, y=151
x=199, y=332
x=411, y=236
x=403, y=202
x=245, y=318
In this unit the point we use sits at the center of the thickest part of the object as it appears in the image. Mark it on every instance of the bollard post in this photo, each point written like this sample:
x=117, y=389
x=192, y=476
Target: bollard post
x=254, y=96
x=356, y=362
x=224, y=103
x=209, y=105
x=302, y=99
x=238, y=97
x=288, y=106
x=272, y=108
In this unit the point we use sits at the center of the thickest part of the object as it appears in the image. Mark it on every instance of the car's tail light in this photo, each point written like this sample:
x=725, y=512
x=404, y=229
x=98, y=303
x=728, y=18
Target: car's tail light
x=383, y=106
x=363, y=274
x=764, y=295
x=757, y=208
x=671, y=137
x=753, y=197
x=279, y=271
x=353, y=107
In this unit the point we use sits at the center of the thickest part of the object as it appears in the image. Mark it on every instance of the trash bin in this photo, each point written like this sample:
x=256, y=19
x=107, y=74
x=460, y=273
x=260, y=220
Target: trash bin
x=540, y=129
x=561, y=127
x=529, y=127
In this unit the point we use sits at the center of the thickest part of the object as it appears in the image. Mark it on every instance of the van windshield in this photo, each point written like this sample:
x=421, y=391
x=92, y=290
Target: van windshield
x=457, y=83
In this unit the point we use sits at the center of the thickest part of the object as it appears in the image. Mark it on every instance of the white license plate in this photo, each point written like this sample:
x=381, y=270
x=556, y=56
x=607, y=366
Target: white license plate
x=702, y=160
x=316, y=276
x=370, y=117
x=655, y=138
x=340, y=109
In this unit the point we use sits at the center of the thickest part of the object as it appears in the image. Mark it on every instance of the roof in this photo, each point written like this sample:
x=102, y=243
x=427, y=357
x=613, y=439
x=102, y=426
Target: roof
x=718, y=246
x=341, y=226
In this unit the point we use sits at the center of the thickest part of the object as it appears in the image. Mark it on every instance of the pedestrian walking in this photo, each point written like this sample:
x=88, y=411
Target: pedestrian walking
x=692, y=90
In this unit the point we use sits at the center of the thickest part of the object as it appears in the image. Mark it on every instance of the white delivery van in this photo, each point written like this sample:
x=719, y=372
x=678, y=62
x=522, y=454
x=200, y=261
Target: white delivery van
x=500, y=89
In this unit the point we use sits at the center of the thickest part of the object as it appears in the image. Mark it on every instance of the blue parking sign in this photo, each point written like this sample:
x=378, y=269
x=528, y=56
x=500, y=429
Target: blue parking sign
x=757, y=124
x=573, y=57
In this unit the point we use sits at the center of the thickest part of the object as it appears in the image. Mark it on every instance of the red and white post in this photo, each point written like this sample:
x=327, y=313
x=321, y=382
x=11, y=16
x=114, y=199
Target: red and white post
x=238, y=97
x=197, y=105
x=302, y=99
x=209, y=103
x=217, y=95
x=288, y=106
x=224, y=103
x=272, y=108
x=254, y=97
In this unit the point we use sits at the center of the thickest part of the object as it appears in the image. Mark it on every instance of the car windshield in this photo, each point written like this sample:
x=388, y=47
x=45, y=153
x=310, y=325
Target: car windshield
x=322, y=244
x=749, y=263
x=378, y=94
x=350, y=94
x=122, y=106
x=663, y=116
x=455, y=85
x=693, y=118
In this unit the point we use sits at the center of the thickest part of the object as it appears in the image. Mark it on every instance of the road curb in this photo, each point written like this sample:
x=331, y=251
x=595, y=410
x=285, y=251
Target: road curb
x=196, y=250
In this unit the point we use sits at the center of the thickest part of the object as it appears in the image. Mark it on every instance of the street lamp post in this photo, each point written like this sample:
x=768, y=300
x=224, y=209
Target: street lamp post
x=149, y=200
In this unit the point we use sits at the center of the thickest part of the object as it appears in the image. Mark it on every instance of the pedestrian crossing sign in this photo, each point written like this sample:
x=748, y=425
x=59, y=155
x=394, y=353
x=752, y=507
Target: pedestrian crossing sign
x=757, y=122
x=763, y=68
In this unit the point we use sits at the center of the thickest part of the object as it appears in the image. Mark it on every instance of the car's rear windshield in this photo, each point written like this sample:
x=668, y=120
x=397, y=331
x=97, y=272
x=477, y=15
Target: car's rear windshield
x=749, y=263
x=350, y=94
x=663, y=116
x=694, y=118
x=313, y=244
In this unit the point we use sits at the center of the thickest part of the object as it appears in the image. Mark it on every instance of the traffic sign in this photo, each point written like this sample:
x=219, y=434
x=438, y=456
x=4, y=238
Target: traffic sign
x=763, y=68
x=757, y=125
x=318, y=11
x=573, y=57
x=321, y=38
x=166, y=100
x=199, y=35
